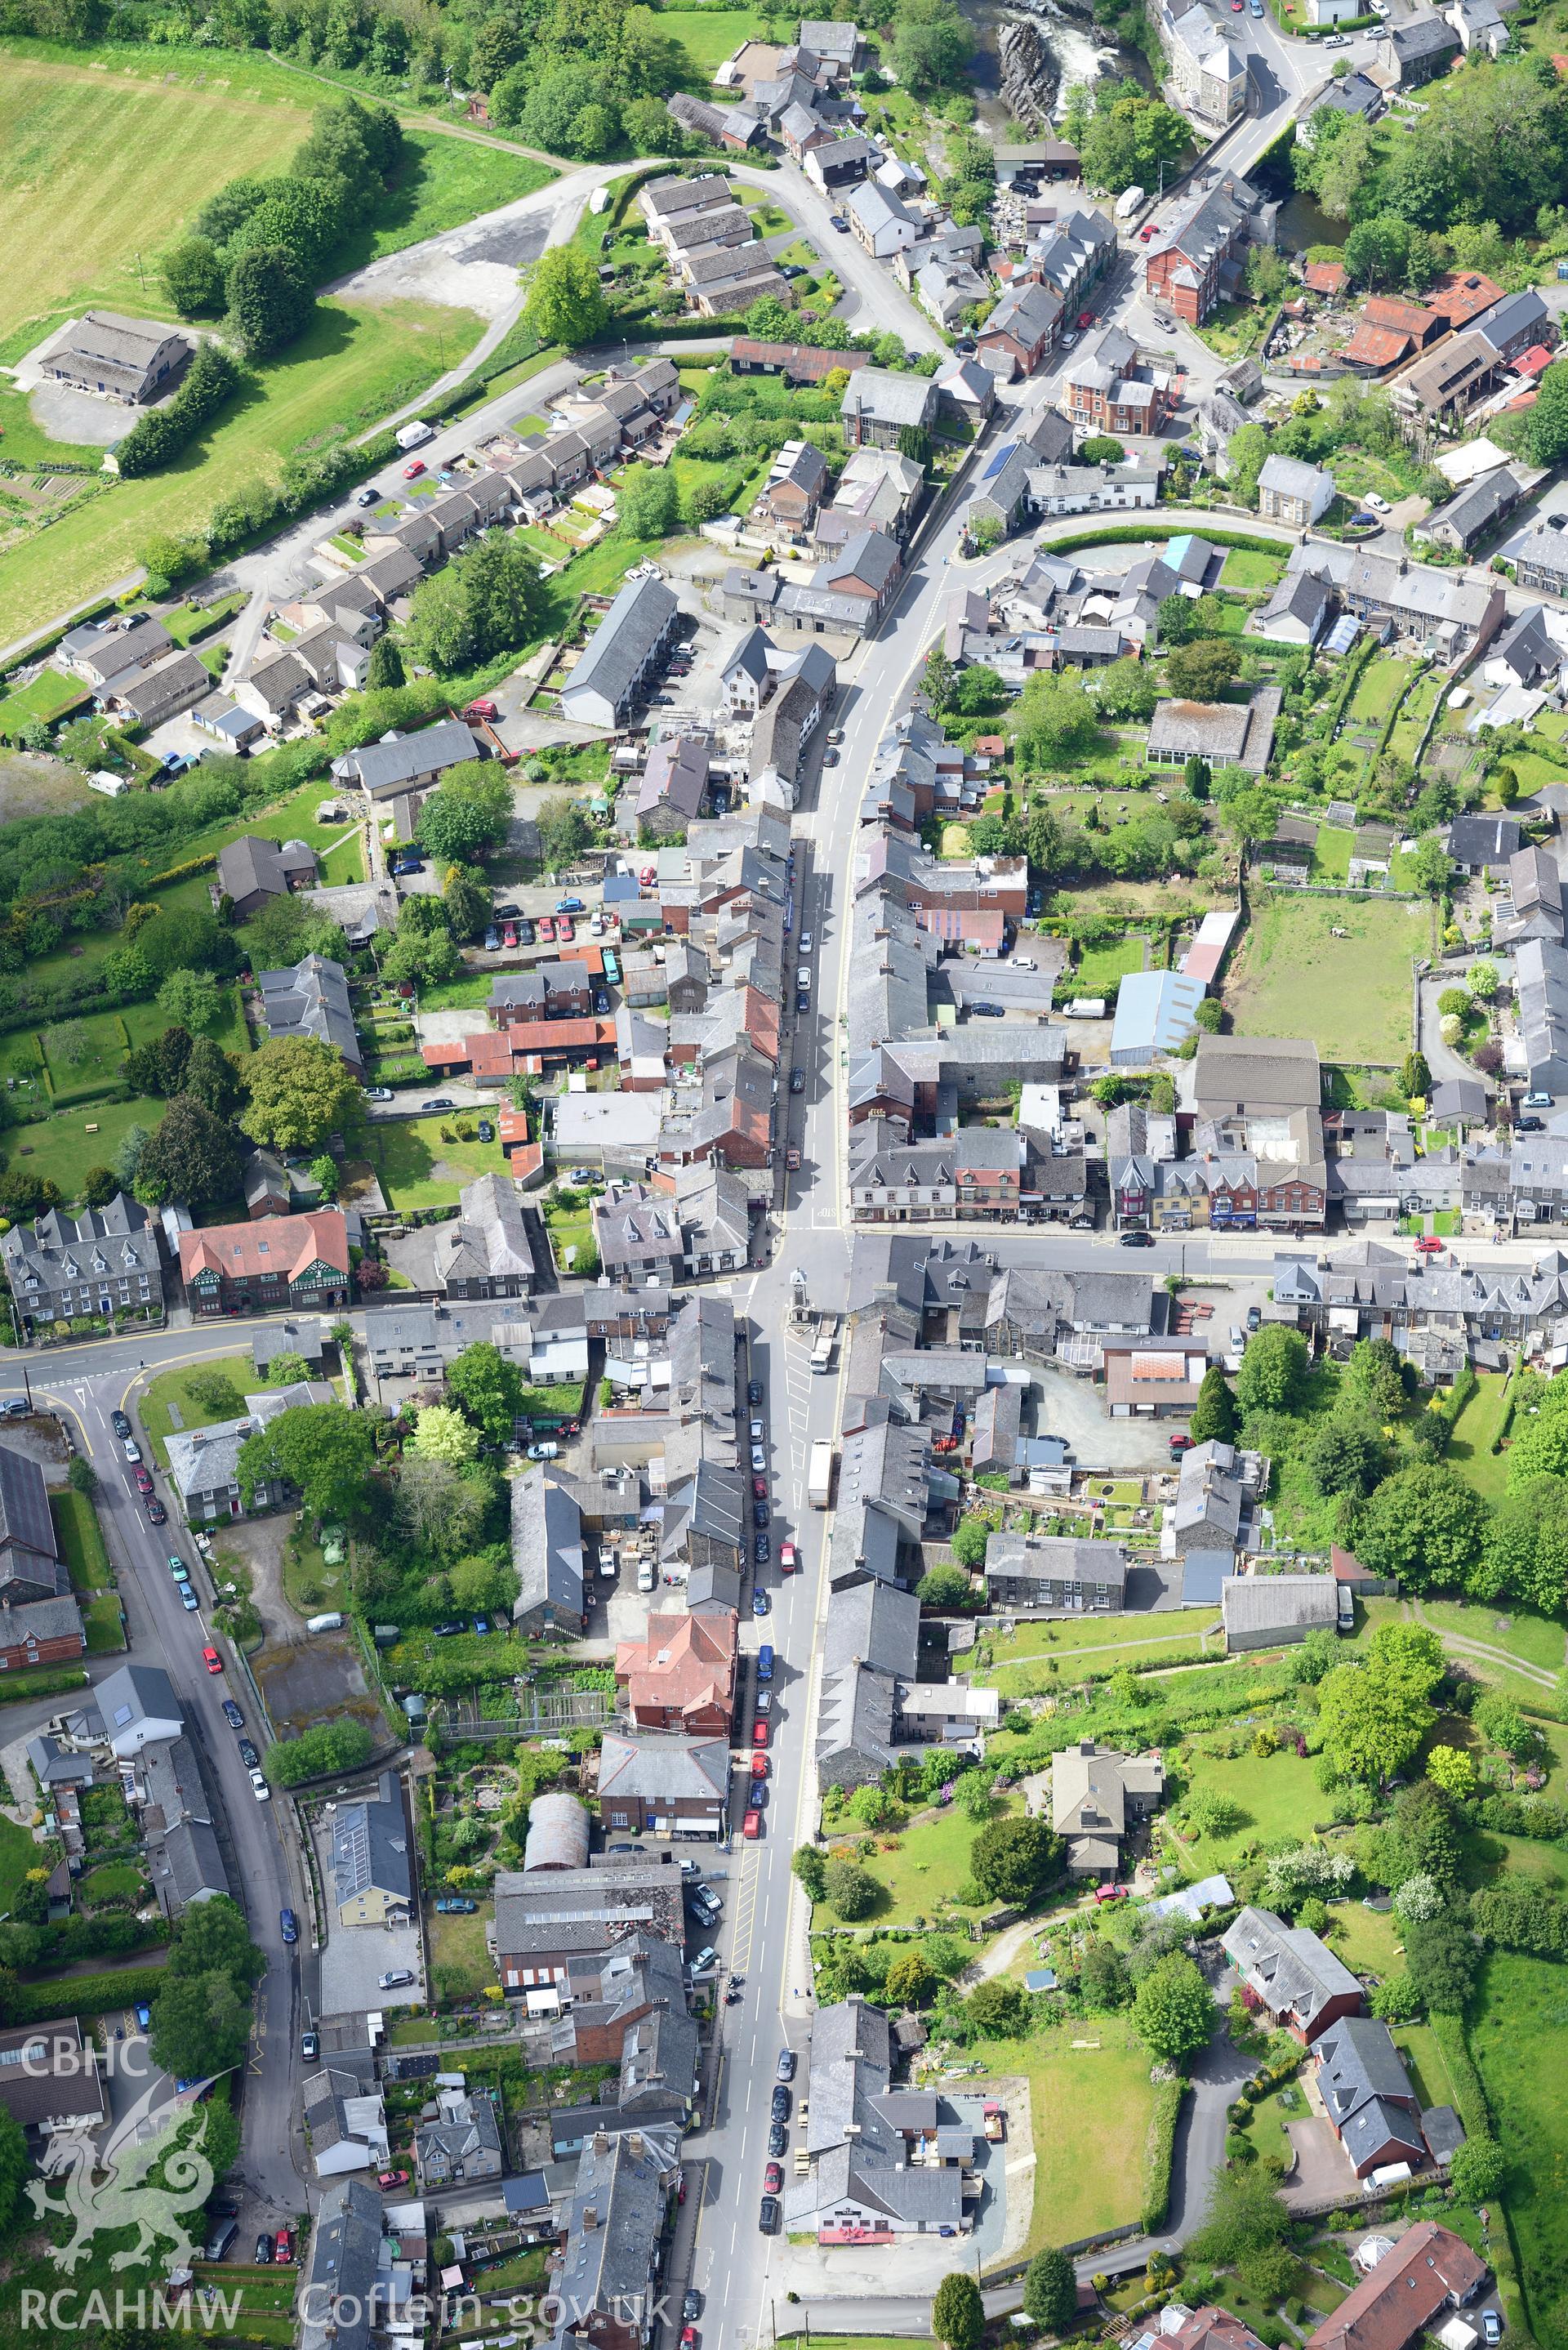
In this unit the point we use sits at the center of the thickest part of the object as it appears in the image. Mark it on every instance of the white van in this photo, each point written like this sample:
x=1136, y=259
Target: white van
x=333, y=1623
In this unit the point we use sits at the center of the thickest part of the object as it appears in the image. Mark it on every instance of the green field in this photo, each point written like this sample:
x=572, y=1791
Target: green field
x=174, y=1388
x=82, y=1547
x=709, y=36
x=1534, y=1640
x=352, y=366
x=1090, y=2111
x=923, y=1875
x=63, y=1147
x=1377, y=689
x=1022, y=1666
x=1351, y=995
x=417, y=1168
x=1247, y=568
x=1518, y=2038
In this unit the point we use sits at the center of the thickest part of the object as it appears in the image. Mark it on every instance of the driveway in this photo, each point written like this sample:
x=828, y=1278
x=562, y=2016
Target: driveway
x=353, y=1956
x=1323, y=2168
x=1074, y=1408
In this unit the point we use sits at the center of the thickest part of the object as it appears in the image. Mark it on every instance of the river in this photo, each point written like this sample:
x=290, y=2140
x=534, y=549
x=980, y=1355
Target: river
x=1082, y=52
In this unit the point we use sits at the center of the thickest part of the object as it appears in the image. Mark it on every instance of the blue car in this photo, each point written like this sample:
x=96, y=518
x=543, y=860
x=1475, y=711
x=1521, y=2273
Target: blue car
x=765, y=1658
x=289, y=1925
x=571, y=905
x=759, y=1603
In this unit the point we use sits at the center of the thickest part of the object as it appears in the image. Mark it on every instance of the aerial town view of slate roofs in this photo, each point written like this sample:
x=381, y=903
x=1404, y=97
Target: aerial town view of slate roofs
x=784, y=1175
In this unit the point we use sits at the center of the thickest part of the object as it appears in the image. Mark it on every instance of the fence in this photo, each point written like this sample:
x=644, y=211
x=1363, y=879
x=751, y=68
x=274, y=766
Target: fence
x=548, y=1709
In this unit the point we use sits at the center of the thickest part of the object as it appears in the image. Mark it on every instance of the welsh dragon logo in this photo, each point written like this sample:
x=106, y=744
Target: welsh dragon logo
x=125, y=2196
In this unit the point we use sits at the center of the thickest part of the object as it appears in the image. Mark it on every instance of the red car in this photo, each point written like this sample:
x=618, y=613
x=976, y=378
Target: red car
x=388, y=2178
x=792, y=1159
x=759, y=1766
x=143, y=1482
x=285, y=2245
x=1181, y=1443
x=772, y=2179
x=212, y=1660
x=509, y=935
x=648, y=876
x=546, y=926
x=1148, y=229
x=759, y=1734
x=787, y=1559
x=483, y=709
x=760, y=1488
x=412, y=473
x=1429, y=1245
x=1086, y=318
x=1110, y=1892
x=752, y=1825
x=566, y=929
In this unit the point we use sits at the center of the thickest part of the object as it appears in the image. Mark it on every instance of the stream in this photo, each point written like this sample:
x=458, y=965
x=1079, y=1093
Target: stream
x=1069, y=48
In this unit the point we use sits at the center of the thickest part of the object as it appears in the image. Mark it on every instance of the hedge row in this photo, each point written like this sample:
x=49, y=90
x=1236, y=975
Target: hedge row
x=192, y=866
x=1469, y=2095
x=41, y=1682
x=82, y=1995
x=1159, y=2147
x=1129, y=534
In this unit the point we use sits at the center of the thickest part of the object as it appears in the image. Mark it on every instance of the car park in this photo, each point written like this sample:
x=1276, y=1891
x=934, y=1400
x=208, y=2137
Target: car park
x=212, y=1660
x=232, y=1715
x=566, y=930
x=288, y=1925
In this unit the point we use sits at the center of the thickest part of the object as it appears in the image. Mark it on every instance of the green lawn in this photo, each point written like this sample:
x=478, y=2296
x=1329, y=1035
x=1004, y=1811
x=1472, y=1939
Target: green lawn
x=1022, y=1666
x=174, y=1388
x=461, y=1964
x=457, y=994
x=709, y=36
x=1368, y=1940
x=82, y=1547
x=1277, y=1795
x=1351, y=995
x=18, y=1853
x=1330, y=853
x=1518, y=2039
x=443, y=182
x=352, y=366
x=1377, y=689
x=1246, y=567
x=116, y=1880
x=419, y=1166
x=47, y=696
x=62, y=1147
x=922, y=1876
x=1534, y=1639
x=1090, y=2114
x=1098, y=969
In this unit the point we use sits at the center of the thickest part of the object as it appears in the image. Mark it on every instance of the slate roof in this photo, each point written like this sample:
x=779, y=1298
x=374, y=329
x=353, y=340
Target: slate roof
x=546, y=1545
x=310, y=998
x=382, y=767
x=370, y=1845
x=1294, y=1972
x=625, y=635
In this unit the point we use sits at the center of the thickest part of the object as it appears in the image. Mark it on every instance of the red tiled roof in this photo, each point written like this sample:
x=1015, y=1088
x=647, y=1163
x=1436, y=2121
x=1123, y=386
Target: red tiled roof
x=1377, y=346
x=1407, y=317
x=1535, y=360
x=686, y=1664
x=493, y=1052
x=280, y=1245
x=1403, y=2294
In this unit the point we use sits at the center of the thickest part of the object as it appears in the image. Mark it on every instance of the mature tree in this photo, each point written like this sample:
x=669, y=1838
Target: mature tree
x=200, y=2025
x=1214, y=1414
x=1547, y=428
x=1430, y=868
x=1475, y=2170
x=489, y=1387
x=467, y=900
x=214, y=1935
x=478, y=606
x=128, y=1159
x=324, y=1449
x=1245, y=456
x=958, y=2313
x=1128, y=139
x=1415, y=1076
x=1525, y=1549
x=1273, y=1377
x=1502, y=1725
x=810, y=1866
x=159, y=1066
x=1126, y=690
x=646, y=501
x=933, y=45
x=565, y=301
x=483, y=1584
x=1313, y=1658
x=438, y=1507
x=191, y=1159
x=1203, y=668
x=853, y=1890
x=1051, y=2291
x=190, y=940
x=1540, y=1446
x=1451, y=1769
x=289, y=928
x=1371, y=1721
x=1211, y=1812
x=1424, y=1524
x=386, y=665
x=1345, y=1455
x=443, y=1434
x=1174, y=2011
x=939, y=680
x=970, y=1538
x=1375, y=1374
x=212, y=1077
x=269, y=303
x=1054, y=722
x=998, y=2008
x=194, y=277
x=468, y=815
x=1012, y=1858
x=13, y=2164
x=948, y=1587
x=1441, y=1957
x=911, y=1981
x=189, y=1000
x=301, y=1091
x=563, y=831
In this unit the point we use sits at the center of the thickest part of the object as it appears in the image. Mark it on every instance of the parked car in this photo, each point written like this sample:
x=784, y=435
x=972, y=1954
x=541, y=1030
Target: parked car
x=285, y=2244
x=131, y=1450
x=786, y=2064
x=187, y=1599
x=1492, y=2327
x=438, y=1101
x=212, y=1660
x=764, y=1550
x=781, y=2103
x=1428, y=1245
x=377, y=1093
x=248, y=1755
x=760, y=1486
x=691, y=2307
x=778, y=2138
x=411, y=472
x=1530, y=1126
x=157, y=1515
x=802, y=999
x=707, y=1956
x=759, y=1458
x=988, y=1011
x=310, y=2046
x=486, y=1131
x=259, y=1787
x=543, y=1452
x=366, y=496
x=788, y=1558
x=482, y=708
x=546, y=926
x=759, y=1729
x=797, y=1081
x=525, y=932
x=264, y=2251
x=386, y=2179
x=1135, y=1240
x=1180, y=1444
x=759, y=1513
x=837, y=221
x=288, y=1925
x=1537, y=1101
x=143, y=1482
x=119, y=1422
x=232, y=1715
x=760, y=1598
x=394, y=1979
x=456, y=1905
